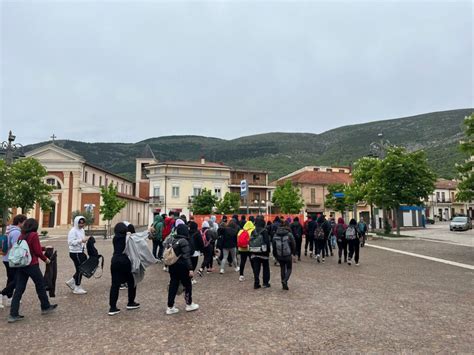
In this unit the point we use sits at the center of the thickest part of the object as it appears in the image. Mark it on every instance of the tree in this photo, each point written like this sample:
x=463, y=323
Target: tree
x=204, y=203
x=340, y=204
x=466, y=184
x=111, y=204
x=288, y=198
x=402, y=178
x=229, y=204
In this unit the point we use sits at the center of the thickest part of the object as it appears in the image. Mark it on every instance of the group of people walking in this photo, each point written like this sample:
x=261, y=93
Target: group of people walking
x=179, y=243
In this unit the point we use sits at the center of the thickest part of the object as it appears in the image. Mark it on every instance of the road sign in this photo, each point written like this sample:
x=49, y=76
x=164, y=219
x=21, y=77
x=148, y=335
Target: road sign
x=243, y=188
x=338, y=194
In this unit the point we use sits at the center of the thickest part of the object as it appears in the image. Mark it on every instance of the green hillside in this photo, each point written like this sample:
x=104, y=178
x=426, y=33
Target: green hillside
x=437, y=133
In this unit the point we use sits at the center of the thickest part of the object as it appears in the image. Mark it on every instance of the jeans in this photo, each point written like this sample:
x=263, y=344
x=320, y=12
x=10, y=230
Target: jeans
x=328, y=246
x=158, y=245
x=78, y=259
x=121, y=273
x=354, y=247
x=257, y=263
x=309, y=241
x=11, y=280
x=179, y=273
x=285, y=269
x=22, y=276
x=320, y=250
x=342, y=246
x=299, y=242
x=225, y=253
x=244, y=255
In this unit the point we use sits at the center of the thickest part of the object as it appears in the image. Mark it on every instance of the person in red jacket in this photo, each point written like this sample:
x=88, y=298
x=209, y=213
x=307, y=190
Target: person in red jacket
x=29, y=233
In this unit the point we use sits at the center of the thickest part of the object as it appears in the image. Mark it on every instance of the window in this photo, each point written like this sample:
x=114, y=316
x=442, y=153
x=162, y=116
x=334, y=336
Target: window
x=217, y=192
x=175, y=191
x=329, y=170
x=316, y=169
x=269, y=195
x=100, y=180
x=443, y=196
x=53, y=182
x=341, y=171
x=93, y=179
x=106, y=182
x=197, y=191
x=156, y=191
x=313, y=195
x=85, y=176
x=256, y=177
x=437, y=196
x=256, y=196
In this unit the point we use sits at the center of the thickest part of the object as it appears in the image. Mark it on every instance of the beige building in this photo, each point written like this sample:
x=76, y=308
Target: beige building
x=77, y=186
x=173, y=184
x=442, y=203
x=260, y=192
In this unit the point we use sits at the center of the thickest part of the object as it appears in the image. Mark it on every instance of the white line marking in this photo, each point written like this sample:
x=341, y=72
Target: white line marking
x=453, y=263
x=445, y=242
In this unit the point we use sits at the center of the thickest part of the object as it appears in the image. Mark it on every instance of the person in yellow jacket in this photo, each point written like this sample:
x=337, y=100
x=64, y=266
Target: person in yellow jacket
x=243, y=238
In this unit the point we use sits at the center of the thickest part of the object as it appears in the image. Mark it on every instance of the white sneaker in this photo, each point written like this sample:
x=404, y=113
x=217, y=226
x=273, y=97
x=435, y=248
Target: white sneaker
x=357, y=264
x=193, y=282
x=349, y=262
x=165, y=268
x=172, y=310
x=79, y=291
x=191, y=307
x=241, y=278
x=237, y=269
x=71, y=284
x=1, y=302
x=222, y=271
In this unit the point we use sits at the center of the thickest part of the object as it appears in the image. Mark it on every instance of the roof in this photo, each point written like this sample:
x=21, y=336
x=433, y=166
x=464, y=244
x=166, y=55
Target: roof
x=446, y=184
x=196, y=164
x=321, y=178
x=250, y=171
x=108, y=172
x=131, y=197
x=147, y=153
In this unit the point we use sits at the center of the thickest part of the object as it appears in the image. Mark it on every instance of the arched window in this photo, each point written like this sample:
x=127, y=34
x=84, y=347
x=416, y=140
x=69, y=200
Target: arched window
x=53, y=182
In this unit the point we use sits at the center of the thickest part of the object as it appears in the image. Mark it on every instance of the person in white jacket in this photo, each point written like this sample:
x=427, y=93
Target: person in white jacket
x=76, y=240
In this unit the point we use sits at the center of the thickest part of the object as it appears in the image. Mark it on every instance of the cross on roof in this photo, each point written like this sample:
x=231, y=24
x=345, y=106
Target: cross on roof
x=53, y=137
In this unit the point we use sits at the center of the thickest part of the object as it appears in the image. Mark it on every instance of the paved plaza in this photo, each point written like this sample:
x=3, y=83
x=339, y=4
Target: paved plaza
x=391, y=303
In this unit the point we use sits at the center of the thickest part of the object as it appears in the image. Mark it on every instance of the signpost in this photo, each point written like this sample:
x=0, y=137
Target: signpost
x=244, y=192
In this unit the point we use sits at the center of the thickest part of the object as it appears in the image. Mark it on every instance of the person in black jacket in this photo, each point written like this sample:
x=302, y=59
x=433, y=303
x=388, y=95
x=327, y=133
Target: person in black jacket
x=228, y=242
x=196, y=244
x=297, y=230
x=261, y=259
x=283, y=245
x=321, y=243
x=181, y=271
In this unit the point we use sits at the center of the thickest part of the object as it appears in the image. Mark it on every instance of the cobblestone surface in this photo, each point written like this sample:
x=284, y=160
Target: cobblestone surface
x=391, y=303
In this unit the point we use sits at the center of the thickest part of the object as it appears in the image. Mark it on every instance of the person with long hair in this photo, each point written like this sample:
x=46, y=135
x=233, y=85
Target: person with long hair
x=29, y=232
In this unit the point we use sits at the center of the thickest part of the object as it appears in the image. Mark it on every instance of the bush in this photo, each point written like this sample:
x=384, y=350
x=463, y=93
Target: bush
x=387, y=228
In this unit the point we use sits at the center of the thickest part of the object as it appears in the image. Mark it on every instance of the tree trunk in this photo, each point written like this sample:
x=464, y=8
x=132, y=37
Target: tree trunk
x=397, y=221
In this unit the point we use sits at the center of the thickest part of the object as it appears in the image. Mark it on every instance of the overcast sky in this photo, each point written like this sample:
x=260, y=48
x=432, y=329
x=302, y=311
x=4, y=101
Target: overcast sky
x=127, y=71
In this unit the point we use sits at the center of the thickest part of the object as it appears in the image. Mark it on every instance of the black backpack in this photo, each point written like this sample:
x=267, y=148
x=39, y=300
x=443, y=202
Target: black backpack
x=319, y=232
x=282, y=245
x=257, y=243
x=340, y=232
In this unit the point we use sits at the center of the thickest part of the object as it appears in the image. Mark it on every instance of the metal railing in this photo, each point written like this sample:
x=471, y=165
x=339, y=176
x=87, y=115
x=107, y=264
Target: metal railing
x=159, y=200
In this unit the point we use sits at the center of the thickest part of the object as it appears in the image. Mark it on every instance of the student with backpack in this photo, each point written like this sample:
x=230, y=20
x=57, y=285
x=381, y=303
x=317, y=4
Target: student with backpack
x=321, y=233
x=157, y=236
x=243, y=240
x=259, y=247
x=76, y=240
x=362, y=229
x=352, y=236
x=181, y=271
x=208, y=250
x=340, y=232
x=24, y=255
x=297, y=231
x=12, y=236
x=196, y=244
x=229, y=244
x=284, y=246
x=308, y=238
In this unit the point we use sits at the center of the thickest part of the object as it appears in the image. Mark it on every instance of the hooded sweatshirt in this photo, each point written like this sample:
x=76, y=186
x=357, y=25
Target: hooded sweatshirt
x=249, y=227
x=13, y=234
x=340, y=221
x=158, y=226
x=75, y=237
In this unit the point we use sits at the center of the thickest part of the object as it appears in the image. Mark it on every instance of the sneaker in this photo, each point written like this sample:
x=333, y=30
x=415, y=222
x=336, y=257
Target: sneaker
x=123, y=287
x=339, y=261
x=256, y=287
x=172, y=310
x=267, y=285
x=322, y=260
x=349, y=262
x=51, y=308
x=79, y=291
x=318, y=258
x=13, y=319
x=192, y=307
x=285, y=286
x=357, y=264
x=311, y=254
x=71, y=284
x=237, y=269
x=193, y=282
x=222, y=271
x=114, y=311
x=199, y=272
x=165, y=268
x=241, y=278
x=133, y=305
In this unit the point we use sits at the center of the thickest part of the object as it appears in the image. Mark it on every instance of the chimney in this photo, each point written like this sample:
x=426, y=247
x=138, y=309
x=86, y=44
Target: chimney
x=203, y=161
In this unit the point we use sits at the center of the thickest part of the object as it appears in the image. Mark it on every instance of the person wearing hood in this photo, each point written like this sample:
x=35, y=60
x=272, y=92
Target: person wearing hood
x=157, y=237
x=297, y=231
x=243, y=244
x=76, y=240
x=340, y=232
x=353, y=240
x=121, y=270
x=181, y=271
x=228, y=235
x=13, y=234
x=260, y=260
x=283, y=246
x=322, y=226
x=196, y=244
x=208, y=249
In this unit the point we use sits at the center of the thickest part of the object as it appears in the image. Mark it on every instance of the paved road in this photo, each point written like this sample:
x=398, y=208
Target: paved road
x=391, y=303
x=440, y=231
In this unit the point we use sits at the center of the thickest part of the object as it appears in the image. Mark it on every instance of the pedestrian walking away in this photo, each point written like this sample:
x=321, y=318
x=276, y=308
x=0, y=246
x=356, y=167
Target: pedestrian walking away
x=353, y=239
x=340, y=232
x=362, y=230
x=228, y=242
x=157, y=237
x=259, y=246
x=243, y=240
x=283, y=246
x=297, y=231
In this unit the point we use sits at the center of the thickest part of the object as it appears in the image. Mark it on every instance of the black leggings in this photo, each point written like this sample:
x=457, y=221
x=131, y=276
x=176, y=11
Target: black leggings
x=121, y=273
x=194, y=261
x=208, y=257
x=299, y=242
x=354, y=246
x=78, y=259
x=309, y=241
x=342, y=246
x=320, y=250
x=179, y=273
x=285, y=269
x=11, y=280
x=244, y=255
x=158, y=246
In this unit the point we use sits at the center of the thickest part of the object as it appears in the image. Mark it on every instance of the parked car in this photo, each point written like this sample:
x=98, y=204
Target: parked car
x=460, y=224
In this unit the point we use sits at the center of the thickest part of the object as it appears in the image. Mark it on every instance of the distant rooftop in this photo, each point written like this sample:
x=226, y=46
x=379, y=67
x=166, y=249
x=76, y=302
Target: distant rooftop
x=147, y=153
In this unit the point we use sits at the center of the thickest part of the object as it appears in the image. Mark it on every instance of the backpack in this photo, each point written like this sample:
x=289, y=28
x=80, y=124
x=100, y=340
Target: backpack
x=351, y=233
x=282, y=245
x=3, y=245
x=204, y=238
x=19, y=255
x=319, y=232
x=362, y=227
x=243, y=240
x=256, y=243
x=170, y=256
x=340, y=231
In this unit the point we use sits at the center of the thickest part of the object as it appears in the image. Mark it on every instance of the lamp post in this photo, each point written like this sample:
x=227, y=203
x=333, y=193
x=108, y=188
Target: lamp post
x=8, y=148
x=259, y=203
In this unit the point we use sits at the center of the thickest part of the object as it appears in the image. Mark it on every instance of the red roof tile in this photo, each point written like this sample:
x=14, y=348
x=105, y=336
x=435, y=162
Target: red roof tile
x=321, y=178
x=446, y=184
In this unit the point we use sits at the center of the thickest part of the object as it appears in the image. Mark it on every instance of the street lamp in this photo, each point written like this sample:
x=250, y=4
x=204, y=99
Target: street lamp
x=260, y=203
x=8, y=148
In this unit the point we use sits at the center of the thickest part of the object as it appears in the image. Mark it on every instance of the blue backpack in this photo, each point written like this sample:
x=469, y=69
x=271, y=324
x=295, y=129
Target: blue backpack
x=3, y=245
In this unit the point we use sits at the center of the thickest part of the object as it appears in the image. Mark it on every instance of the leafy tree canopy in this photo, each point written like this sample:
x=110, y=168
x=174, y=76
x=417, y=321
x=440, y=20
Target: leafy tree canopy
x=288, y=198
x=229, y=204
x=204, y=203
x=466, y=185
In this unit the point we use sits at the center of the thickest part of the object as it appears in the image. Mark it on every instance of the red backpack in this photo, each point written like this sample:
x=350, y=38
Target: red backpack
x=243, y=240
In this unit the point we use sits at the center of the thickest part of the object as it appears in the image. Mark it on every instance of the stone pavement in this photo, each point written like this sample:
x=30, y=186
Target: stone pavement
x=391, y=303
x=440, y=231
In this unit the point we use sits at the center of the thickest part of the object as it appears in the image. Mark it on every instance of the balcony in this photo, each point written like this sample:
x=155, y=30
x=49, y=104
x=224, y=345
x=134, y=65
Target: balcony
x=156, y=200
x=190, y=200
x=440, y=200
x=250, y=182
